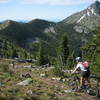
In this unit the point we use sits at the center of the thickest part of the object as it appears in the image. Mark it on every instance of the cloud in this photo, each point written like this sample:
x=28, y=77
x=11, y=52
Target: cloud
x=57, y=2
x=4, y=1
x=50, y=2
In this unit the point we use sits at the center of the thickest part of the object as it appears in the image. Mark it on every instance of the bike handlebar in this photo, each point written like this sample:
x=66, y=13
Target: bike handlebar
x=77, y=72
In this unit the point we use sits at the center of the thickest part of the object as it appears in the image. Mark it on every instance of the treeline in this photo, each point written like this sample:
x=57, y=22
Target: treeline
x=9, y=49
x=65, y=57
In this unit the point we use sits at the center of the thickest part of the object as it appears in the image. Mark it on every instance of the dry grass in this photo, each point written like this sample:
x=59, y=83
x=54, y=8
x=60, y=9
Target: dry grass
x=42, y=88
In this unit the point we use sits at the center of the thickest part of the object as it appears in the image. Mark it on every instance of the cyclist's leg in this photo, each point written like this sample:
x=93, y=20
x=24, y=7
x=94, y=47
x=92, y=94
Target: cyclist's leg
x=88, y=80
x=81, y=81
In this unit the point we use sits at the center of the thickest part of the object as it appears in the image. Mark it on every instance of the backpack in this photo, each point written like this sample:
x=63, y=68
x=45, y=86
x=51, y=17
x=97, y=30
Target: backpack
x=86, y=64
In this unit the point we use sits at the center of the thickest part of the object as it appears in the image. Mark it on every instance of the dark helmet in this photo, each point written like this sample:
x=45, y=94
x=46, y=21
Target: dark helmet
x=78, y=59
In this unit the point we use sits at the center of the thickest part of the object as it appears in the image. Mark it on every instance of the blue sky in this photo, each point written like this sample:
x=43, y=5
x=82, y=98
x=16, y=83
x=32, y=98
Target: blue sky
x=52, y=10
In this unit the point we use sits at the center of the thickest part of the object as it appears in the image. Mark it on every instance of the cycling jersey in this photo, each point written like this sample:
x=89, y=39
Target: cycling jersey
x=80, y=65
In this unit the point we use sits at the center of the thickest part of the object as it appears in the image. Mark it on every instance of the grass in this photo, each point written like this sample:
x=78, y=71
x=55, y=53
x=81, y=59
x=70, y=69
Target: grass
x=42, y=88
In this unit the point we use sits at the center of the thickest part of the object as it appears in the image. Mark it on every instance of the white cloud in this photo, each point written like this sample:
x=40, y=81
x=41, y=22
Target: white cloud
x=4, y=1
x=50, y=2
x=57, y=2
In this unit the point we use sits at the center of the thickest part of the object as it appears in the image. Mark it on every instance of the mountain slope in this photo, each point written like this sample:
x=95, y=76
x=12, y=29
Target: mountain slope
x=22, y=31
x=89, y=17
x=79, y=26
x=28, y=35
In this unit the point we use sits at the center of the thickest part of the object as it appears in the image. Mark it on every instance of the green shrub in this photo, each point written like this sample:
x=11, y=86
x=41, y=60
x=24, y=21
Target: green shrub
x=58, y=71
x=4, y=67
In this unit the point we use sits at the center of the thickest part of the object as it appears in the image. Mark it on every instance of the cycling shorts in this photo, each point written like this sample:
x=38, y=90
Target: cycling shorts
x=86, y=74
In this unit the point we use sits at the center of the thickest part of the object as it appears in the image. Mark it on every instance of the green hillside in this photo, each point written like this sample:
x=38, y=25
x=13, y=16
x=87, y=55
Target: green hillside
x=28, y=35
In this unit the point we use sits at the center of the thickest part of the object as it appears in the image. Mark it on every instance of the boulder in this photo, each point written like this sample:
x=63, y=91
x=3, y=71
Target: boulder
x=30, y=92
x=25, y=82
x=29, y=66
x=56, y=78
x=46, y=65
x=63, y=80
x=42, y=75
x=68, y=91
x=27, y=75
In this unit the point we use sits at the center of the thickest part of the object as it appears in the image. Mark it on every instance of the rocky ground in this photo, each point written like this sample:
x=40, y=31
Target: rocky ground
x=25, y=81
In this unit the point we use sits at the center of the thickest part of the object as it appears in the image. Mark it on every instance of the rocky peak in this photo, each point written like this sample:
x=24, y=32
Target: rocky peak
x=96, y=3
x=95, y=7
x=92, y=11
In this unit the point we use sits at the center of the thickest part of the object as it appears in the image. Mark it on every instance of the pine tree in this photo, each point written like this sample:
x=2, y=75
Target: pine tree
x=14, y=54
x=42, y=56
x=63, y=50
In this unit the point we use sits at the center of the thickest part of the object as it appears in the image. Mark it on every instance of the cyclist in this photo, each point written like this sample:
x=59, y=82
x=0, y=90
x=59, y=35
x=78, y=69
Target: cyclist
x=85, y=72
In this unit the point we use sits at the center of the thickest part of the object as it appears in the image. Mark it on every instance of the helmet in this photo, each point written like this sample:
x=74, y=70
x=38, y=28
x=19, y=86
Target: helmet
x=78, y=59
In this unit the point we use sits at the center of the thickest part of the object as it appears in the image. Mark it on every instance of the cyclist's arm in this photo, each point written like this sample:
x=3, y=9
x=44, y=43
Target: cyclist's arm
x=75, y=69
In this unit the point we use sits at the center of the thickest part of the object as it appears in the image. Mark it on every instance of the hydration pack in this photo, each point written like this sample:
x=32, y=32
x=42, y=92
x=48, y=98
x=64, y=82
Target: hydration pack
x=85, y=64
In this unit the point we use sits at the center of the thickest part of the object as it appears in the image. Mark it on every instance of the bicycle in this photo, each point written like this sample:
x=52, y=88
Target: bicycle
x=74, y=81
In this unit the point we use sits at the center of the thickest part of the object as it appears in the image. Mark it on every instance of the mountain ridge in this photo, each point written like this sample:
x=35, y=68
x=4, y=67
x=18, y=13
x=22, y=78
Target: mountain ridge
x=26, y=35
x=77, y=27
x=86, y=16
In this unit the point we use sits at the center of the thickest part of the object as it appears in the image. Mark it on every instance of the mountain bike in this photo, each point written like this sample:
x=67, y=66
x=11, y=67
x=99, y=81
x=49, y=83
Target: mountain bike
x=74, y=81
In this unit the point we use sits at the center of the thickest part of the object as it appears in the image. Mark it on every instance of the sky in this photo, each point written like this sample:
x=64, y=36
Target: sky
x=52, y=10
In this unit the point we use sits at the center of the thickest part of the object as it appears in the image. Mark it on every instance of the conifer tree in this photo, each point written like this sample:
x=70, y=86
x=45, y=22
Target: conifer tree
x=14, y=54
x=63, y=50
x=42, y=56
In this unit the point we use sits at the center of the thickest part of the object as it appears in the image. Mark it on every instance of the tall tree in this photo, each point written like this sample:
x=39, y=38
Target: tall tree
x=42, y=55
x=63, y=50
x=15, y=53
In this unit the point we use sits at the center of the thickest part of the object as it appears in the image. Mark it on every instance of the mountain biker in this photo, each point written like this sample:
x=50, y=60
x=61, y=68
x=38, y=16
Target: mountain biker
x=85, y=72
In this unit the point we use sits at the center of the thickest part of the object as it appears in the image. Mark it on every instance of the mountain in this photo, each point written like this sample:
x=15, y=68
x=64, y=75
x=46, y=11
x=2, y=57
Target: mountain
x=79, y=26
x=26, y=35
x=90, y=17
x=23, y=31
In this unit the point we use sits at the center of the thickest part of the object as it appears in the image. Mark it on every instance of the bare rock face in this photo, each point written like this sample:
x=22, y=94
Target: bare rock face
x=81, y=29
